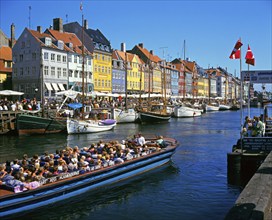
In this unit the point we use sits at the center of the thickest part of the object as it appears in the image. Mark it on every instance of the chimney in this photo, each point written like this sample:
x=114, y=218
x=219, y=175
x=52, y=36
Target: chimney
x=58, y=25
x=12, y=35
x=151, y=51
x=123, y=47
x=141, y=45
x=86, y=24
x=39, y=29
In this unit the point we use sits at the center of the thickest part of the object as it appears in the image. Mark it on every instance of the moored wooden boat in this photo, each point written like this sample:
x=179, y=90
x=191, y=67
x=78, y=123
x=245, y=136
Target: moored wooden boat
x=30, y=124
x=61, y=187
x=186, y=112
x=153, y=117
x=75, y=126
x=125, y=115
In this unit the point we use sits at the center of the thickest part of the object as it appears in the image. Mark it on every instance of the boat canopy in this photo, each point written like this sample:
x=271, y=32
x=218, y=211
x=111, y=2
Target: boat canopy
x=75, y=105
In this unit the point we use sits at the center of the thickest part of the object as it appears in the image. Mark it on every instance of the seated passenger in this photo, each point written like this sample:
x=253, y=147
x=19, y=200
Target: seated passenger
x=141, y=140
x=161, y=142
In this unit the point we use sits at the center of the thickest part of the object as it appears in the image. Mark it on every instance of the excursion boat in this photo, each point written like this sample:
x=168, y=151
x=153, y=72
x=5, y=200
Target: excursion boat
x=63, y=186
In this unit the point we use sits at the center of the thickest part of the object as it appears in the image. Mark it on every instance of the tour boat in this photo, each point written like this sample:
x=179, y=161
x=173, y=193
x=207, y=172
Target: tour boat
x=70, y=184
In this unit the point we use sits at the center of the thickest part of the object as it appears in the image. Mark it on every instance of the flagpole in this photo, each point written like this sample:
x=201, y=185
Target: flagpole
x=248, y=100
x=241, y=104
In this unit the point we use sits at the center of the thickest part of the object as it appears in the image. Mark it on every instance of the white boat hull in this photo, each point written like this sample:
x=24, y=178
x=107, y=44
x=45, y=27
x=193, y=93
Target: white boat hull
x=224, y=107
x=210, y=108
x=186, y=112
x=87, y=126
x=125, y=116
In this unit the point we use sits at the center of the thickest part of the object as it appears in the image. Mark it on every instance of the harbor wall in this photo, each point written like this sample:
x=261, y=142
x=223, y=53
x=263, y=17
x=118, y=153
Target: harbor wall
x=255, y=201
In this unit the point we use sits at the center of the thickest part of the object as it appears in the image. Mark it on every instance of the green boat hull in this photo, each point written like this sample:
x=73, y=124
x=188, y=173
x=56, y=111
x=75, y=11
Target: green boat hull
x=29, y=124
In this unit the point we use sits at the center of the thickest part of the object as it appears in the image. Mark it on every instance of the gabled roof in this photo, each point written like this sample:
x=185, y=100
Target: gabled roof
x=67, y=37
x=148, y=55
x=5, y=53
x=75, y=27
x=97, y=36
x=39, y=36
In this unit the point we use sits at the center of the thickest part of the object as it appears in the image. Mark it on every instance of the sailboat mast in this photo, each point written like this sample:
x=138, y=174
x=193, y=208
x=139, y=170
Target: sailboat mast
x=184, y=74
x=140, y=95
x=126, y=79
x=149, y=79
x=164, y=87
x=83, y=74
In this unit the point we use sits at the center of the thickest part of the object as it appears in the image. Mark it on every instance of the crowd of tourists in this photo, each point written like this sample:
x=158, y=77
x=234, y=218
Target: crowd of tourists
x=253, y=127
x=29, y=173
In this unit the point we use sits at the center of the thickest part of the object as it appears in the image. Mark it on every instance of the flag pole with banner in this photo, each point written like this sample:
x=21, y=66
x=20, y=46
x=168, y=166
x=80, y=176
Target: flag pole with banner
x=250, y=60
x=236, y=54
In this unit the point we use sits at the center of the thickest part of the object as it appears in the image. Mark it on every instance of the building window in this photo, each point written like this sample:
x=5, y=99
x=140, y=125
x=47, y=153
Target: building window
x=64, y=71
x=21, y=57
x=27, y=70
x=70, y=73
x=23, y=44
x=52, y=57
x=21, y=71
x=76, y=74
x=46, y=70
x=75, y=58
x=59, y=72
x=53, y=71
x=45, y=55
x=58, y=58
x=64, y=59
x=15, y=72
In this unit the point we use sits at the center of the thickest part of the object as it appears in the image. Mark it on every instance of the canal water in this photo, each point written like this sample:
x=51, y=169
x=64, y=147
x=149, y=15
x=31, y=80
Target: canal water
x=193, y=186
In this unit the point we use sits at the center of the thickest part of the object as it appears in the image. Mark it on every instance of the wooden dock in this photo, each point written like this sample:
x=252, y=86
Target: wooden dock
x=8, y=121
x=255, y=201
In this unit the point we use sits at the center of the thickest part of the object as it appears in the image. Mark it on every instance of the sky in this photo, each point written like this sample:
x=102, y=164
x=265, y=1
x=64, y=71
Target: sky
x=209, y=29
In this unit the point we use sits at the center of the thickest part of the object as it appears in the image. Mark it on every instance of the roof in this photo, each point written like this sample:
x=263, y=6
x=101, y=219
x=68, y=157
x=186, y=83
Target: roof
x=67, y=37
x=5, y=53
x=148, y=55
x=75, y=27
x=97, y=36
x=39, y=36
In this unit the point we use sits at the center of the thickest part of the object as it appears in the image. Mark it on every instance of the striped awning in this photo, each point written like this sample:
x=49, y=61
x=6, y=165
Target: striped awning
x=55, y=86
x=61, y=87
x=48, y=86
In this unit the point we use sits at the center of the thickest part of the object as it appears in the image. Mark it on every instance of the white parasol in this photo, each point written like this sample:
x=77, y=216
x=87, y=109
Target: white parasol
x=10, y=92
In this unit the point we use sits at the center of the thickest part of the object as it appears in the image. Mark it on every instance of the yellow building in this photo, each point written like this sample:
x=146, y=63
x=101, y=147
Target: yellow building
x=157, y=80
x=102, y=73
x=133, y=71
x=200, y=87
